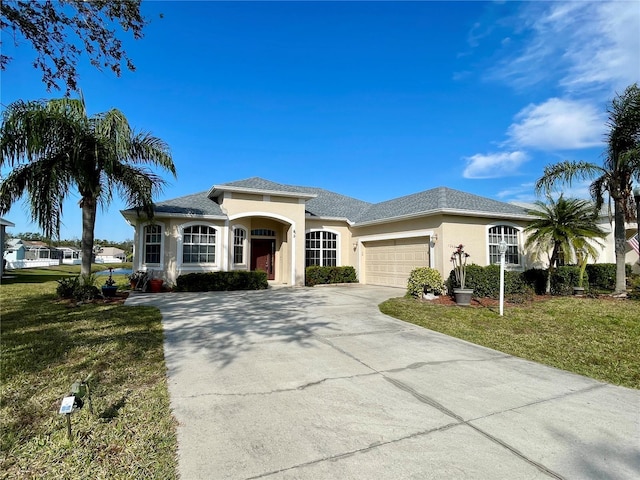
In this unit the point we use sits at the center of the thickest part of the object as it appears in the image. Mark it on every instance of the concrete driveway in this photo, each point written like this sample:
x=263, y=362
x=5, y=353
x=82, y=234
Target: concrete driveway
x=318, y=384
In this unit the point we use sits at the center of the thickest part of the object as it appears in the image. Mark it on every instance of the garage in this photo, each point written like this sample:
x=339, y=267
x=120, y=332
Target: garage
x=389, y=262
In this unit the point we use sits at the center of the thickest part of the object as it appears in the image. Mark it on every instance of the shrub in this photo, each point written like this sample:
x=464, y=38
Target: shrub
x=66, y=287
x=602, y=275
x=85, y=293
x=564, y=279
x=70, y=287
x=222, y=281
x=634, y=286
x=485, y=282
x=316, y=275
x=424, y=279
x=536, y=278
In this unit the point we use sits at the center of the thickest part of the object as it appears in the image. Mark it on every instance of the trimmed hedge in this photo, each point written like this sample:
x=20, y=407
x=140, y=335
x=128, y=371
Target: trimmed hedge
x=316, y=275
x=222, y=281
x=424, y=279
x=485, y=282
x=602, y=275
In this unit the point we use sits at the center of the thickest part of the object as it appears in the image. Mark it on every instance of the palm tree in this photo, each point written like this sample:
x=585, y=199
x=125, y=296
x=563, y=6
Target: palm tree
x=615, y=176
x=563, y=229
x=53, y=146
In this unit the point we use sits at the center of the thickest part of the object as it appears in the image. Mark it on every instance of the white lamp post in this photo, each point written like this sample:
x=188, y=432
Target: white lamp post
x=636, y=196
x=502, y=248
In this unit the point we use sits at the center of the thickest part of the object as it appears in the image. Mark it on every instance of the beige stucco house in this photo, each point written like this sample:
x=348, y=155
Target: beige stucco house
x=258, y=224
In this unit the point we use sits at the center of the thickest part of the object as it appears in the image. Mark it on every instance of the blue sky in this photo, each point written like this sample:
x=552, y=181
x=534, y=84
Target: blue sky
x=369, y=99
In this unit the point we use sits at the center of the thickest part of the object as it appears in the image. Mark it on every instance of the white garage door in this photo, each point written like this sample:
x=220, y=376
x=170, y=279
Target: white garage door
x=389, y=262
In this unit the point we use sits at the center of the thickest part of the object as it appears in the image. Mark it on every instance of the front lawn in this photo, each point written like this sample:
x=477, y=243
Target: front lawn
x=48, y=344
x=599, y=338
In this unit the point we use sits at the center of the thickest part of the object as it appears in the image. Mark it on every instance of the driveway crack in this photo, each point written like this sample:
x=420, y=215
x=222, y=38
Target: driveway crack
x=355, y=452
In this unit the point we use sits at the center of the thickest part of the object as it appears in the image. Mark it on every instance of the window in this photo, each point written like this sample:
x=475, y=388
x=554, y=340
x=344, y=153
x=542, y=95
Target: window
x=152, y=243
x=321, y=249
x=239, y=236
x=509, y=235
x=263, y=232
x=199, y=244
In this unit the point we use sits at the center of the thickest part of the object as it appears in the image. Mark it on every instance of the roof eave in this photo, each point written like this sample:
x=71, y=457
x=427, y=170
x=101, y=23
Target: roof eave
x=217, y=189
x=331, y=219
x=444, y=211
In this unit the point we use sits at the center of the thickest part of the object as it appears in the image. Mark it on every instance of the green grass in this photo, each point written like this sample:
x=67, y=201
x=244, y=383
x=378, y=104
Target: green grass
x=599, y=338
x=46, y=346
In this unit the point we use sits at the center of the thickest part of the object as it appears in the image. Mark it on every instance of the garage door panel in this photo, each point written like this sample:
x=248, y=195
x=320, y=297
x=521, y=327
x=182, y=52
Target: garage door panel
x=389, y=262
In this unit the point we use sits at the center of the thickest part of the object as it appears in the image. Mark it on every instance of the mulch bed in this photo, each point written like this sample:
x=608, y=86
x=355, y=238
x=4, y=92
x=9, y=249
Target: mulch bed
x=486, y=302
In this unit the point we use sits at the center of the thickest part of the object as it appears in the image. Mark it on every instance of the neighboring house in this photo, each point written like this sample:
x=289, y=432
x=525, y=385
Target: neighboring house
x=30, y=254
x=110, y=255
x=70, y=256
x=258, y=224
x=3, y=234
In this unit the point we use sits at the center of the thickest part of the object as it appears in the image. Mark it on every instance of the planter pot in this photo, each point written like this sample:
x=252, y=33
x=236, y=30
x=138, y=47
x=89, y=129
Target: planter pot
x=155, y=285
x=463, y=296
x=578, y=291
x=109, y=291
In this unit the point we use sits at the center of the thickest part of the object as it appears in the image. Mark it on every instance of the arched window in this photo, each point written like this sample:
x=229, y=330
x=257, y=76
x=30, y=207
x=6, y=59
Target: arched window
x=509, y=235
x=321, y=249
x=199, y=244
x=239, y=237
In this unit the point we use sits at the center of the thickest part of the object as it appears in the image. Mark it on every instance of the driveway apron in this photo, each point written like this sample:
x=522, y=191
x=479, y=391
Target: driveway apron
x=316, y=383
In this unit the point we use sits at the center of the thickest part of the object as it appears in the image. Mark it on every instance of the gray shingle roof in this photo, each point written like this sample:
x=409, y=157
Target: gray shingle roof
x=334, y=205
x=434, y=200
x=325, y=204
x=194, y=204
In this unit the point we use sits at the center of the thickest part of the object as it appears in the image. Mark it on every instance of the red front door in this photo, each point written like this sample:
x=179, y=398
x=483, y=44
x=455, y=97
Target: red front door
x=263, y=254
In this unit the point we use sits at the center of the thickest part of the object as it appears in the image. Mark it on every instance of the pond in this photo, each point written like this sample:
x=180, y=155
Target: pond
x=116, y=271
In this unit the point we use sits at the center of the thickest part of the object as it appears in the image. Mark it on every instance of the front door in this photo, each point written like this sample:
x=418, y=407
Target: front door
x=263, y=253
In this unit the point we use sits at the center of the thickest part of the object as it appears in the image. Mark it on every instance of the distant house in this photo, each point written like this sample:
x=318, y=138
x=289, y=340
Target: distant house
x=70, y=256
x=30, y=254
x=3, y=233
x=110, y=255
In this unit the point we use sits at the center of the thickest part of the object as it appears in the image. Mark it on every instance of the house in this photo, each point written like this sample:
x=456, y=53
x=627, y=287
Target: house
x=30, y=254
x=3, y=234
x=70, y=256
x=109, y=255
x=256, y=224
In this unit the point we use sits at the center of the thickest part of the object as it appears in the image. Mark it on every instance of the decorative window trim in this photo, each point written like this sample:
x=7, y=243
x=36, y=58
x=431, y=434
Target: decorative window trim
x=243, y=246
x=197, y=266
x=509, y=255
x=322, y=249
x=143, y=242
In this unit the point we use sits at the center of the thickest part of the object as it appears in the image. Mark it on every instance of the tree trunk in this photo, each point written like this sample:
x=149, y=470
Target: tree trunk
x=89, y=208
x=619, y=236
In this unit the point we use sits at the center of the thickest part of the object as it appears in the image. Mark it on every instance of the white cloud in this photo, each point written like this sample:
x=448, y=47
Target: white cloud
x=581, y=46
x=558, y=124
x=494, y=165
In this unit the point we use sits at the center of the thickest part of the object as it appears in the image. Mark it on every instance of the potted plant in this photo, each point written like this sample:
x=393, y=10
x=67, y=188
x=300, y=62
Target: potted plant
x=109, y=288
x=459, y=259
x=155, y=284
x=582, y=256
x=137, y=279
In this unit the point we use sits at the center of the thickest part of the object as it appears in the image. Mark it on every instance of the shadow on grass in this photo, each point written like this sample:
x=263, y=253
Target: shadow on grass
x=112, y=410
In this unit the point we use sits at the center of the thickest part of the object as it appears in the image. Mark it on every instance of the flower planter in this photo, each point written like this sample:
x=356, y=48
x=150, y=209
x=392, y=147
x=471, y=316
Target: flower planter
x=109, y=291
x=155, y=285
x=463, y=296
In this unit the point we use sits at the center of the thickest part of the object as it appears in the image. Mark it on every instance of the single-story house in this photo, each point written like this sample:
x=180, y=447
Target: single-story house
x=259, y=224
x=109, y=255
x=30, y=254
x=3, y=233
